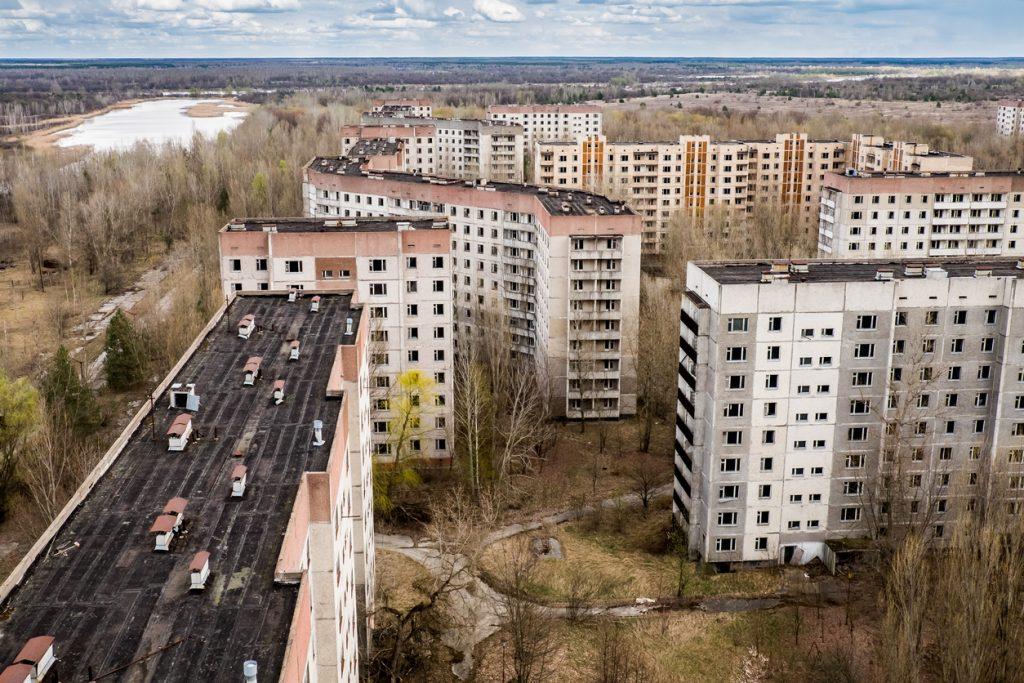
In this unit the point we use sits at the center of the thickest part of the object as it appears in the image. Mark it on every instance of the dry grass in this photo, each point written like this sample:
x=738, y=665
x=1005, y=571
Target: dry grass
x=566, y=477
x=397, y=580
x=615, y=555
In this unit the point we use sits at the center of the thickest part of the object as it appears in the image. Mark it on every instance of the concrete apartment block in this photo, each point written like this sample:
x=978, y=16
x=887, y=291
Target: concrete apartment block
x=790, y=371
x=659, y=180
x=873, y=154
x=904, y=215
x=1010, y=117
x=403, y=106
x=400, y=269
x=285, y=570
x=457, y=148
x=550, y=122
x=562, y=268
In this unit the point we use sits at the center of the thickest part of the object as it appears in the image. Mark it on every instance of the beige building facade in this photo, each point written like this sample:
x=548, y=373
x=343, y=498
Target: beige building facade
x=562, y=268
x=907, y=215
x=1010, y=117
x=873, y=154
x=400, y=270
x=694, y=174
x=550, y=122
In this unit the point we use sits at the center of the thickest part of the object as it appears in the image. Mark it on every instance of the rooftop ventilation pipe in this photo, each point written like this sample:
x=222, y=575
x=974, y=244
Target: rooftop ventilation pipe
x=249, y=670
x=318, y=433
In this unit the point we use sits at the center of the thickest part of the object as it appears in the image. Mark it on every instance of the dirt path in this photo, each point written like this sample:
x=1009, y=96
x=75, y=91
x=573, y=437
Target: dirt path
x=476, y=607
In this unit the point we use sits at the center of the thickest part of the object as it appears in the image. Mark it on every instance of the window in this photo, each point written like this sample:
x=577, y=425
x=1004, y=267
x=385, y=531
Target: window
x=732, y=437
x=730, y=492
x=849, y=514
x=734, y=354
x=438, y=286
x=771, y=381
x=767, y=464
x=857, y=434
x=762, y=517
x=867, y=322
x=959, y=317
x=436, y=261
x=737, y=325
x=737, y=381
x=293, y=266
x=440, y=444
x=727, y=518
x=764, y=491
x=990, y=316
x=378, y=265
x=378, y=289
x=410, y=261
x=725, y=545
x=729, y=465
x=793, y=524
x=261, y=264
x=855, y=461
x=796, y=498
x=853, y=488
x=861, y=379
x=864, y=351
x=733, y=410
x=931, y=317
x=988, y=344
x=775, y=324
x=774, y=352
x=860, y=407
x=236, y=265
x=901, y=318
x=771, y=408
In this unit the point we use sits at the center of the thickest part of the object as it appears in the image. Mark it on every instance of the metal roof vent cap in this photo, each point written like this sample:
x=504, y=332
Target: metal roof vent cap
x=348, y=325
x=884, y=274
x=249, y=670
x=318, y=433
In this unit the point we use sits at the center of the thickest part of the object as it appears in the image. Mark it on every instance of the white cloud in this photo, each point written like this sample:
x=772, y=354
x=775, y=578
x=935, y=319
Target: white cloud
x=454, y=13
x=159, y=5
x=248, y=5
x=497, y=10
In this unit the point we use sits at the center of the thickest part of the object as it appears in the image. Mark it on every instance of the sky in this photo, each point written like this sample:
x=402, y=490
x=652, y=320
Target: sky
x=454, y=28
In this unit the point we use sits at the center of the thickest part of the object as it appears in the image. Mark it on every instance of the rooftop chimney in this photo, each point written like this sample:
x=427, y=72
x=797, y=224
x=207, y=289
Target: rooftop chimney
x=314, y=304
x=278, y=392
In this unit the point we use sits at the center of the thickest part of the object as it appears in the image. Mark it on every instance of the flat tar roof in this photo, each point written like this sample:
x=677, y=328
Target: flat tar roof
x=747, y=272
x=555, y=200
x=112, y=600
x=362, y=224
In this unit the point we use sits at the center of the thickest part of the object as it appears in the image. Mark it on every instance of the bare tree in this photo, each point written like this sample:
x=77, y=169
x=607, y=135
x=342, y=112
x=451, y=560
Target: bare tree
x=645, y=477
x=618, y=658
x=656, y=349
x=529, y=629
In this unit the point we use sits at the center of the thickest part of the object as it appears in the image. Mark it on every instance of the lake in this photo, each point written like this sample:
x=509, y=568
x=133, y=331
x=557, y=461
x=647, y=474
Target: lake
x=158, y=122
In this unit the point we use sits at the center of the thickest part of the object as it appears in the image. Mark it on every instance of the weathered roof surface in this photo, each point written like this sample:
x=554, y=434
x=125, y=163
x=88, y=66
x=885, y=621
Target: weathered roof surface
x=199, y=561
x=179, y=425
x=163, y=524
x=849, y=270
x=34, y=650
x=360, y=224
x=16, y=673
x=113, y=600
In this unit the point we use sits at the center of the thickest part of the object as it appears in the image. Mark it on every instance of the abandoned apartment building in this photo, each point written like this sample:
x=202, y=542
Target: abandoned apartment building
x=228, y=532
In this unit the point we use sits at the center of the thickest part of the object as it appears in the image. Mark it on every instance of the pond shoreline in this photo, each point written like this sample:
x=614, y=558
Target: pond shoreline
x=48, y=138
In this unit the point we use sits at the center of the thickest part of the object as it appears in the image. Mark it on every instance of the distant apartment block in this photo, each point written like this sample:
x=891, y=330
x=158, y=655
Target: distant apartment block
x=873, y=154
x=915, y=215
x=457, y=148
x=1010, y=117
x=400, y=106
x=550, y=122
x=562, y=268
x=400, y=269
x=228, y=531
x=660, y=180
x=828, y=399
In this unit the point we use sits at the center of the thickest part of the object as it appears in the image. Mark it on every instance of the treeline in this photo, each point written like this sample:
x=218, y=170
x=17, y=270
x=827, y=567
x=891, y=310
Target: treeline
x=98, y=220
x=979, y=140
x=954, y=87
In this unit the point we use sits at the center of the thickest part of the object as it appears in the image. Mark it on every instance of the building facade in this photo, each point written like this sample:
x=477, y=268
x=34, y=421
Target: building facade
x=403, y=106
x=265, y=563
x=550, y=122
x=561, y=269
x=1010, y=117
x=694, y=174
x=916, y=215
x=817, y=397
x=402, y=271
x=873, y=154
x=456, y=148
